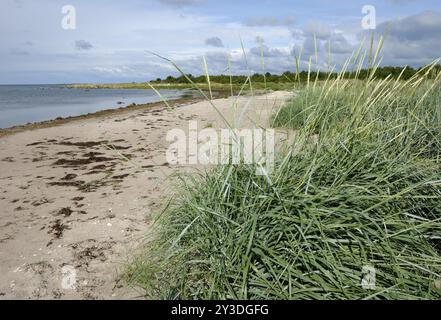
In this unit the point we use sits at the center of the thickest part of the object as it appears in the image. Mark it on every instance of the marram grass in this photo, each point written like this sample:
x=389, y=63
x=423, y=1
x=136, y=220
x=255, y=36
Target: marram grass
x=367, y=194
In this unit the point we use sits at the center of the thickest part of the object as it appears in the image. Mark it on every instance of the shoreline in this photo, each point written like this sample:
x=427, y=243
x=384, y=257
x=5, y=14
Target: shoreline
x=98, y=114
x=184, y=100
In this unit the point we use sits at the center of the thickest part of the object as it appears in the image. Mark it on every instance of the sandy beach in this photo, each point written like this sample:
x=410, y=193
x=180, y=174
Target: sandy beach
x=81, y=195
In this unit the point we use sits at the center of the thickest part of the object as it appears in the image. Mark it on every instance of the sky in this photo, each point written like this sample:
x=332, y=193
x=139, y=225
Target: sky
x=116, y=41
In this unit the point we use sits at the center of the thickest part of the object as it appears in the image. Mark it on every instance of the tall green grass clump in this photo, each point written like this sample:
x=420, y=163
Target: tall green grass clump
x=364, y=194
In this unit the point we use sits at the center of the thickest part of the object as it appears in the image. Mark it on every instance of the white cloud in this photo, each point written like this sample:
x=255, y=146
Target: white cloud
x=318, y=29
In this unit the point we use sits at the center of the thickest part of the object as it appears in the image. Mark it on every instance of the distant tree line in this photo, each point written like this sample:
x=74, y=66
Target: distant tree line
x=302, y=76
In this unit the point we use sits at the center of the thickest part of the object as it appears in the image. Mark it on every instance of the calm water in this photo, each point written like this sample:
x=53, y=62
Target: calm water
x=32, y=103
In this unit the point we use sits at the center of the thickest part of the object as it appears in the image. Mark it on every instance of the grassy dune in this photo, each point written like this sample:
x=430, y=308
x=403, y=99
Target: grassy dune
x=366, y=194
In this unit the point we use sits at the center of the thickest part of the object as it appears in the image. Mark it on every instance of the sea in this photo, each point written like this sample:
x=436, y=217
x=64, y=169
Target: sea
x=22, y=104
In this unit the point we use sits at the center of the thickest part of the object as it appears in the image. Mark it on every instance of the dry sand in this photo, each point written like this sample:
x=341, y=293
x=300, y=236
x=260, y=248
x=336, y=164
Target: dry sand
x=80, y=196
